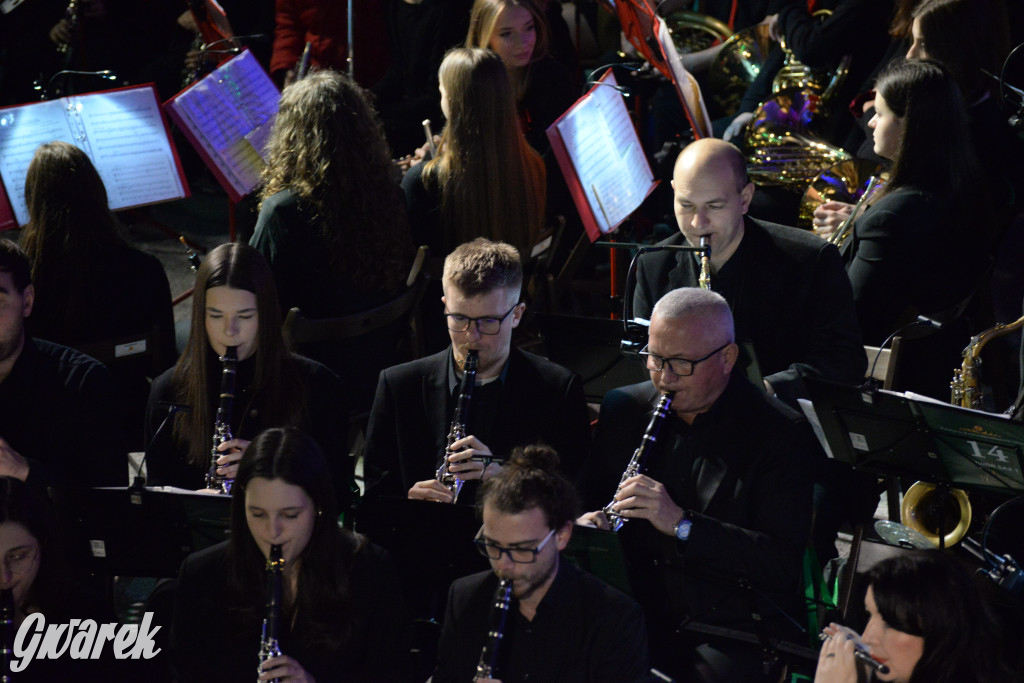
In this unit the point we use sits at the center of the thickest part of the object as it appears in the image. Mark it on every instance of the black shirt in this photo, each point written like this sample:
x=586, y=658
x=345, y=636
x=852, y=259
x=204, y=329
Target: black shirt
x=325, y=419
x=584, y=630
x=57, y=409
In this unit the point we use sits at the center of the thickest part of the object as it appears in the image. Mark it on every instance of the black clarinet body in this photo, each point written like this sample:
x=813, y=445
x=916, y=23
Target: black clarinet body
x=222, y=425
x=487, y=667
x=269, y=638
x=458, y=427
x=638, y=462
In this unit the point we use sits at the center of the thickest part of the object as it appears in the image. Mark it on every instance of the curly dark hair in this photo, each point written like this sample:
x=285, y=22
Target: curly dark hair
x=328, y=148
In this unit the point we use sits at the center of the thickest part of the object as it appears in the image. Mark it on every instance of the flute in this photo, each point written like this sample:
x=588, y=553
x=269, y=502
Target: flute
x=860, y=650
x=430, y=138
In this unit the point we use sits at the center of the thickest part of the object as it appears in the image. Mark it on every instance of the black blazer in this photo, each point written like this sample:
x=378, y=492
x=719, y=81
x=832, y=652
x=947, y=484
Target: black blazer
x=743, y=473
x=789, y=296
x=412, y=412
x=901, y=261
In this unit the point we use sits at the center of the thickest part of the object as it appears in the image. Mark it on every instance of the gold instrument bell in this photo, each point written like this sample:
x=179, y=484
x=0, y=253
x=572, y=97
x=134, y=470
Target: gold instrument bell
x=737, y=65
x=693, y=32
x=925, y=509
x=842, y=182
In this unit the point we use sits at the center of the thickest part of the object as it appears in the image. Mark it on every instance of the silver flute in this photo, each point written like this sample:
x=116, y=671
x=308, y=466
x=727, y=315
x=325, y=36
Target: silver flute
x=860, y=650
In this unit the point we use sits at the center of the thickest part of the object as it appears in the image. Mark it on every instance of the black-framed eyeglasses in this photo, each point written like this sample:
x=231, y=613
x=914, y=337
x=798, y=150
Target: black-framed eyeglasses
x=681, y=367
x=494, y=551
x=461, y=323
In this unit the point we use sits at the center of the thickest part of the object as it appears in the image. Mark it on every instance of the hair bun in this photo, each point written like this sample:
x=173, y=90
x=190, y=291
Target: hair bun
x=535, y=457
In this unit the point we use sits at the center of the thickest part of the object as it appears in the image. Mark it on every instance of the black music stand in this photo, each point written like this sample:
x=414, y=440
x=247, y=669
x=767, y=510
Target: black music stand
x=892, y=434
x=430, y=543
x=599, y=552
x=121, y=532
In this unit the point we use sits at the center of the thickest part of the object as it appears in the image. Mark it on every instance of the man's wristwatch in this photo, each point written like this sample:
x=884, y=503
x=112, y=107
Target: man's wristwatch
x=683, y=528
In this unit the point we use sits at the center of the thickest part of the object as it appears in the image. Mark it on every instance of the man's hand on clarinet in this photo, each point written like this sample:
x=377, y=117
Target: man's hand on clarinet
x=644, y=498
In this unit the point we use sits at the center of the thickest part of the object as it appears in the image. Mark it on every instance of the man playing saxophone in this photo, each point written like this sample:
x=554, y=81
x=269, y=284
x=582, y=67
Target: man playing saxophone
x=563, y=625
x=722, y=511
x=519, y=398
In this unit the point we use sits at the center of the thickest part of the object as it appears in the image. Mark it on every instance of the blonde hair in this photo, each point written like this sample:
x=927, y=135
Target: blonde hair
x=491, y=182
x=482, y=20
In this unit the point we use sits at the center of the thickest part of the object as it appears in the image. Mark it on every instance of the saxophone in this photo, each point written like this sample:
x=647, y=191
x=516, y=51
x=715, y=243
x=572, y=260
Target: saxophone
x=458, y=427
x=492, y=645
x=705, y=263
x=966, y=387
x=636, y=463
x=269, y=646
x=222, y=425
x=7, y=633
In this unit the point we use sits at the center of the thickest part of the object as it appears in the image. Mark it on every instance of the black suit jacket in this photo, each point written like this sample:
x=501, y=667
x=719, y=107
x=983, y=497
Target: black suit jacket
x=789, y=296
x=742, y=471
x=412, y=412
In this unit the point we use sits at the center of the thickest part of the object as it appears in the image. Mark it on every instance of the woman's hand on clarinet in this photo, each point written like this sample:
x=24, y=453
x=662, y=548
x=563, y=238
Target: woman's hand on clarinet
x=836, y=662
x=284, y=668
x=227, y=464
x=830, y=216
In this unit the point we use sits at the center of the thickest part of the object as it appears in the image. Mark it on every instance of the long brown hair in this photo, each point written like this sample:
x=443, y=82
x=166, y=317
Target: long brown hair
x=69, y=223
x=322, y=607
x=482, y=20
x=491, y=180
x=328, y=148
x=275, y=390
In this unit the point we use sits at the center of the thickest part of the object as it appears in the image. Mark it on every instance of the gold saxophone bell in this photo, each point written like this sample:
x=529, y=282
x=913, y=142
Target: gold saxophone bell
x=924, y=510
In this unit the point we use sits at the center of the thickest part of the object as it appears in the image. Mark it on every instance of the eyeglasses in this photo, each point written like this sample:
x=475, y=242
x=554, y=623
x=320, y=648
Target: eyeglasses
x=460, y=323
x=681, y=367
x=20, y=560
x=517, y=555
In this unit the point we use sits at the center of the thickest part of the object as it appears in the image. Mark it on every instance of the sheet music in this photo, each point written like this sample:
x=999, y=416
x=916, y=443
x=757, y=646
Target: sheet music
x=606, y=153
x=230, y=113
x=121, y=131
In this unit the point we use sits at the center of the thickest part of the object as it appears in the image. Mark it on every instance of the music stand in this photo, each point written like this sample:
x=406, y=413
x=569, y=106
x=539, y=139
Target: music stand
x=599, y=552
x=892, y=434
x=120, y=532
x=431, y=545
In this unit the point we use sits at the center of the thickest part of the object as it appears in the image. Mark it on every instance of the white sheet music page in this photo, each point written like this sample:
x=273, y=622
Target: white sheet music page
x=121, y=131
x=230, y=113
x=606, y=154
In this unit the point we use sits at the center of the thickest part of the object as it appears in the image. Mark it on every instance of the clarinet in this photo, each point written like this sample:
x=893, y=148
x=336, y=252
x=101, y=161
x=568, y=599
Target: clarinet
x=458, y=428
x=269, y=645
x=222, y=425
x=639, y=459
x=9, y=632
x=492, y=646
